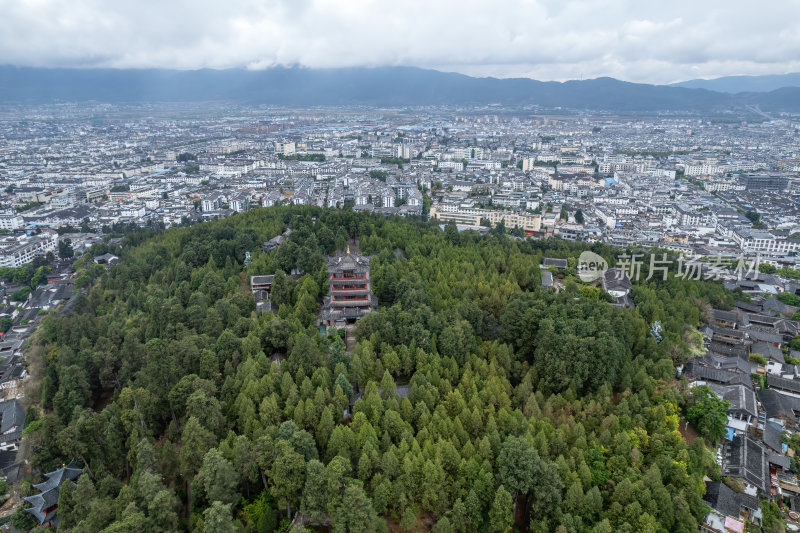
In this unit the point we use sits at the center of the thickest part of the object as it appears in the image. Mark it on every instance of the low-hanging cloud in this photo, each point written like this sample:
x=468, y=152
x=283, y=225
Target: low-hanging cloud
x=551, y=39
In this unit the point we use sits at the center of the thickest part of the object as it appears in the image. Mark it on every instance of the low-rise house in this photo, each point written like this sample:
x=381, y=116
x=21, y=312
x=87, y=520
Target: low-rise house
x=768, y=352
x=725, y=319
x=743, y=409
x=106, y=259
x=787, y=386
x=261, y=283
x=730, y=510
x=780, y=408
x=759, y=336
x=745, y=458
x=12, y=422
x=272, y=243
x=697, y=369
x=727, y=335
x=555, y=262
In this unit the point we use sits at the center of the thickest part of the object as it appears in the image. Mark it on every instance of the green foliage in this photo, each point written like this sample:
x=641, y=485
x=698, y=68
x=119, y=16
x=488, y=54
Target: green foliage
x=65, y=250
x=789, y=298
x=219, y=478
x=379, y=175
x=772, y=520
x=28, y=206
x=261, y=514
x=708, y=413
x=21, y=295
x=393, y=160
x=501, y=515
x=31, y=274
x=217, y=519
x=22, y=520
x=468, y=377
x=766, y=268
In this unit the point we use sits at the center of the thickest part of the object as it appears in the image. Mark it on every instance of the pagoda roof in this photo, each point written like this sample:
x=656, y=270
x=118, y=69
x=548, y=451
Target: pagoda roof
x=348, y=261
x=45, y=502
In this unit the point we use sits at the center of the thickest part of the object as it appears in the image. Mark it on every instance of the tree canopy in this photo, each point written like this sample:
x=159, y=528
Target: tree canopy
x=472, y=396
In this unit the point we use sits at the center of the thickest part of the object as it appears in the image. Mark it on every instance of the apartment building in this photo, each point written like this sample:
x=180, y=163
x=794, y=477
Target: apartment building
x=473, y=217
x=16, y=251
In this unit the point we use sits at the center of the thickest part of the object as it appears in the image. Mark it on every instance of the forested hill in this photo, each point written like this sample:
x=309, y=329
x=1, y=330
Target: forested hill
x=190, y=412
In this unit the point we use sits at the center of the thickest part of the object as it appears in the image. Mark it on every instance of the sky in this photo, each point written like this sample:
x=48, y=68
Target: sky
x=635, y=40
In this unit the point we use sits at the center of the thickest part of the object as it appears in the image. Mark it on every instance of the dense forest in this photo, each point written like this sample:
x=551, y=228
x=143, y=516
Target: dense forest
x=474, y=400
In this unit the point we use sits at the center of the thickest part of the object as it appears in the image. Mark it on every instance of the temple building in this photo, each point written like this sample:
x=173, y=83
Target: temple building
x=350, y=293
x=46, y=502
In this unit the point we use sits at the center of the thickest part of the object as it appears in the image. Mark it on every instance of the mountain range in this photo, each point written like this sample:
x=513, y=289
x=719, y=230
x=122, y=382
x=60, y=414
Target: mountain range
x=386, y=86
x=740, y=84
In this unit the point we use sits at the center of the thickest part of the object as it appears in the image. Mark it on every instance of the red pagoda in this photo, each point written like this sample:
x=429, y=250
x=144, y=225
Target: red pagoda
x=350, y=293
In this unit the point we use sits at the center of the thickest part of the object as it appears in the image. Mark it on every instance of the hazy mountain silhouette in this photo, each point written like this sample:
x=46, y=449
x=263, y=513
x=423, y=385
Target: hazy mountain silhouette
x=368, y=86
x=740, y=84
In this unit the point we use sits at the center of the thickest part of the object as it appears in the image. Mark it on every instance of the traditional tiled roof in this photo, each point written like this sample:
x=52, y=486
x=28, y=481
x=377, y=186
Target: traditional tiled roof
x=555, y=262
x=725, y=316
x=44, y=503
x=728, y=350
x=727, y=502
x=749, y=307
x=741, y=398
x=615, y=279
x=763, y=336
x=777, y=382
x=770, y=351
x=348, y=262
x=697, y=370
x=746, y=458
x=772, y=437
x=780, y=406
x=13, y=415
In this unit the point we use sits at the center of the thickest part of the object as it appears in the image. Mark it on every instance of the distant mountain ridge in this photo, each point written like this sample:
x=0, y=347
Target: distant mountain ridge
x=390, y=86
x=741, y=84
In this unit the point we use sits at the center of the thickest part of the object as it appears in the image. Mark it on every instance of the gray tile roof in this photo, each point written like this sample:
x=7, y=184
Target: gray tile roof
x=777, y=382
x=746, y=458
x=772, y=436
x=780, y=406
x=729, y=503
x=12, y=415
x=741, y=398
x=769, y=351
x=725, y=316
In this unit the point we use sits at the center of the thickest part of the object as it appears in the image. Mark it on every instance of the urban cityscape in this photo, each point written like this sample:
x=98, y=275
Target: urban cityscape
x=80, y=177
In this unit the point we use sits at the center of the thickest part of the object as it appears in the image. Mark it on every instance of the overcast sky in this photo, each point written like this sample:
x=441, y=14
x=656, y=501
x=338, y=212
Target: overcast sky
x=636, y=40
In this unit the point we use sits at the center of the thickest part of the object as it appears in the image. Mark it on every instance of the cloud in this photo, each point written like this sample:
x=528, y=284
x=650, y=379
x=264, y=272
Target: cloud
x=545, y=39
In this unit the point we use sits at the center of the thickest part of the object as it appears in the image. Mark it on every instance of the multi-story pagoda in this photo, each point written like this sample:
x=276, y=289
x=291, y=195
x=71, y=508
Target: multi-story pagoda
x=46, y=502
x=350, y=293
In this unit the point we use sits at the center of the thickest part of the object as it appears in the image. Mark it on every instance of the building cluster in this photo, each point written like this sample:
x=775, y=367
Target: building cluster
x=696, y=186
x=690, y=184
x=752, y=340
